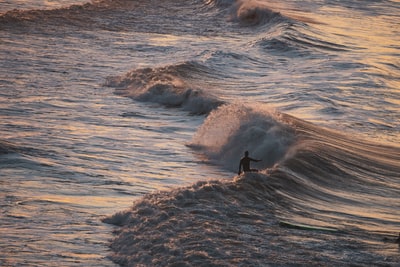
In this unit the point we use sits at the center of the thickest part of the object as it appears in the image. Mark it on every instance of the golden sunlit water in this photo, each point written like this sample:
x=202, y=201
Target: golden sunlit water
x=122, y=124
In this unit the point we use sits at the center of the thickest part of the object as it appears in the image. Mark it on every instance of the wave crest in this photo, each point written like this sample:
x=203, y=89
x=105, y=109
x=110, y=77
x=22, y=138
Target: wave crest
x=167, y=86
x=324, y=179
x=232, y=129
x=248, y=13
x=254, y=13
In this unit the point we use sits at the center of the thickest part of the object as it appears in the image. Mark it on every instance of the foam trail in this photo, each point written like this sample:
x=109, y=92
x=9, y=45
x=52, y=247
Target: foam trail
x=208, y=223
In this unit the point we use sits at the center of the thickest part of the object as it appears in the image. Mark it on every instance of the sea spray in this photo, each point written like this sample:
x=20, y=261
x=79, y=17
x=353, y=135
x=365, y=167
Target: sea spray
x=232, y=129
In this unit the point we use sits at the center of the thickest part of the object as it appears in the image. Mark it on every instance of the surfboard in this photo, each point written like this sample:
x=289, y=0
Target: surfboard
x=306, y=227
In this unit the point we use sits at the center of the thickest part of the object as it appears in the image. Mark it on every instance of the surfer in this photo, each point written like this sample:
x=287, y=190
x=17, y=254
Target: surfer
x=245, y=162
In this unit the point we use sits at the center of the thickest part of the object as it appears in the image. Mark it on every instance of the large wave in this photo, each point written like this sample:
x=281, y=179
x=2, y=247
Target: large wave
x=234, y=128
x=310, y=175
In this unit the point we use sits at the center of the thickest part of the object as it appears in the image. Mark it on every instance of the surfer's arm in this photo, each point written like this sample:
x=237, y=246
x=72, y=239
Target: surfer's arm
x=240, y=167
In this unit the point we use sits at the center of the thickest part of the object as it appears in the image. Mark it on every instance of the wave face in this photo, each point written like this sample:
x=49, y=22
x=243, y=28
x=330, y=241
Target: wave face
x=309, y=175
x=235, y=128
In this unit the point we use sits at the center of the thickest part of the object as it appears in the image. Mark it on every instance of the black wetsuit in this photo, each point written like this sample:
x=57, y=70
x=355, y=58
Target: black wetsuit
x=245, y=162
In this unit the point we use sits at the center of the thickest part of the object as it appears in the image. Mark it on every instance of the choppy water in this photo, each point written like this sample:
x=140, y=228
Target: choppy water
x=110, y=102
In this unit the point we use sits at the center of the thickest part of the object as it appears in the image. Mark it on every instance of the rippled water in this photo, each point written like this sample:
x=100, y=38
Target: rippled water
x=106, y=103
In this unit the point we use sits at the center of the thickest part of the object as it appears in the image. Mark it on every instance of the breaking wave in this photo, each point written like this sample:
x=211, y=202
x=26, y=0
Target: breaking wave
x=234, y=128
x=169, y=86
x=253, y=13
x=309, y=175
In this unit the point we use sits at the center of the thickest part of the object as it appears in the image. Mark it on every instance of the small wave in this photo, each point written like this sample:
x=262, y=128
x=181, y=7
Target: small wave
x=254, y=13
x=10, y=148
x=96, y=14
x=7, y=148
x=169, y=86
x=220, y=3
x=249, y=13
x=61, y=15
x=298, y=40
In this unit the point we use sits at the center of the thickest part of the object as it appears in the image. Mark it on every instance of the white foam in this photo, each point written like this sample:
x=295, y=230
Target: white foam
x=232, y=129
x=165, y=86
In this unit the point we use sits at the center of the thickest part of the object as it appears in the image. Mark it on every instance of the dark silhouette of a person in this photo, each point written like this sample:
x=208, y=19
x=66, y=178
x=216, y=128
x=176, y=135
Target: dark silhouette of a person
x=245, y=163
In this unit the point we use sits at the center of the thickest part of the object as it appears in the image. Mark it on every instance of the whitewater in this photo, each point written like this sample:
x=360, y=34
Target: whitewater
x=123, y=123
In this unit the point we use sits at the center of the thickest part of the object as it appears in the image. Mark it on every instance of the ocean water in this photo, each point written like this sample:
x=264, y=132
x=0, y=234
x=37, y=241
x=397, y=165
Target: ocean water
x=123, y=123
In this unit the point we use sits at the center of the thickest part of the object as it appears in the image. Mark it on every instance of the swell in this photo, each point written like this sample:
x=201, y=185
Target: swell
x=120, y=15
x=202, y=17
x=7, y=148
x=104, y=15
x=11, y=148
x=285, y=141
x=334, y=179
x=73, y=15
x=278, y=28
x=317, y=176
x=275, y=31
x=171, y=86
x=297, y=40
